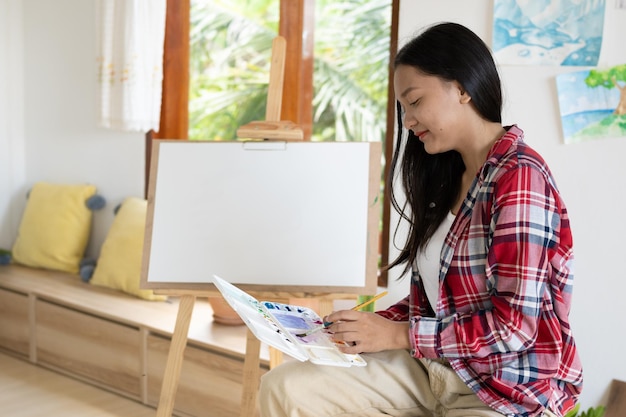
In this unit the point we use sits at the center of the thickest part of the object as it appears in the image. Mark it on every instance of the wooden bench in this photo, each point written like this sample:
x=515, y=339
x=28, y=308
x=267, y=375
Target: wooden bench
x=120, y=342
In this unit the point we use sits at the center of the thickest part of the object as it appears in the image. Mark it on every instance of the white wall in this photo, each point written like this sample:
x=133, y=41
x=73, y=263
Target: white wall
x=48, y=132
x=12, y=165
x=589, y=176
x=58, y=136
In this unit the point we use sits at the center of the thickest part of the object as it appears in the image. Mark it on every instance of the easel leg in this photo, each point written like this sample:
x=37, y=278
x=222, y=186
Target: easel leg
x=251, y=375
x=175, y=357
x=276, y=357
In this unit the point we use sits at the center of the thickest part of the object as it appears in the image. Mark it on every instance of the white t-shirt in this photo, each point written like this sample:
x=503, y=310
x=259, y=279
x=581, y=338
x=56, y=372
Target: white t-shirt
x=428, y=260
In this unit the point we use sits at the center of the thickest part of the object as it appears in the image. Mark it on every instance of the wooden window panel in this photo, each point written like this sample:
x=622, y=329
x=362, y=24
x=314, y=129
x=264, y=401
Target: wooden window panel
x=297, y=26
x=389, y=142
x=174, y=122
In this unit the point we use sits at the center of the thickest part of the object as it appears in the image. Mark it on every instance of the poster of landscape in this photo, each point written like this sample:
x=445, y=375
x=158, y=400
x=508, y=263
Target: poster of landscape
x=593, y=103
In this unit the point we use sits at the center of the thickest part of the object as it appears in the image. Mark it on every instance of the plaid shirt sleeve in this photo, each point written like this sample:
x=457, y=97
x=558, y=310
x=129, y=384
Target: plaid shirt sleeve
x=398, y=311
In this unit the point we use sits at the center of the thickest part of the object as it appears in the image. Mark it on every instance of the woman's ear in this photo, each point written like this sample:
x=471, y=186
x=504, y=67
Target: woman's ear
x=464, y=96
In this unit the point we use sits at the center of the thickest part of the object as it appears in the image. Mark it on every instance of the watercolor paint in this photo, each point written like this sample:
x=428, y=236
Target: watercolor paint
x=278, y=325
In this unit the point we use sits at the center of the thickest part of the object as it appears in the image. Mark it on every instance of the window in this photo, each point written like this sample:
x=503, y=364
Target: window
x=230, y=50
x=229, y=67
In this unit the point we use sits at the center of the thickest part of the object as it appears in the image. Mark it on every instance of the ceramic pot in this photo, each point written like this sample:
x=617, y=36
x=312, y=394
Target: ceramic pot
x=223, y=313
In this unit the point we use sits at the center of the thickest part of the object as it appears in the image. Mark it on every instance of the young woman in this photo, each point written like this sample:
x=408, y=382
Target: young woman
x=485, y=328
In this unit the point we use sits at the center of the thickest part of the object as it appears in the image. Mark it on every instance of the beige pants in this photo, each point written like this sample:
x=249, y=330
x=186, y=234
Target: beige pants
x=392, y=384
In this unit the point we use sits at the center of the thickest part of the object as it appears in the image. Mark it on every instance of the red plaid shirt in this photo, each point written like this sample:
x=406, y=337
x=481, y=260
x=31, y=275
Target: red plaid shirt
x=505, y=289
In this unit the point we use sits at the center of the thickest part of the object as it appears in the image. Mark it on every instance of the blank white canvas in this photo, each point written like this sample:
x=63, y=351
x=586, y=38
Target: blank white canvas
x=278, y=213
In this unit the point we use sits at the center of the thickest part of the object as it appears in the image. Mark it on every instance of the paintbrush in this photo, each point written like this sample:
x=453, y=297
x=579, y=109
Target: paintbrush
x=355, y=308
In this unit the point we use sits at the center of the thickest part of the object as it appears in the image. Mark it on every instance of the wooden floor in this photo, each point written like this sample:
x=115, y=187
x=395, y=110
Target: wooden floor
x=27, y=390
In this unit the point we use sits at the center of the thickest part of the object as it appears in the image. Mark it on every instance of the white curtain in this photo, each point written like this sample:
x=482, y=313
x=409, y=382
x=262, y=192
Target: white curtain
x=130, y=63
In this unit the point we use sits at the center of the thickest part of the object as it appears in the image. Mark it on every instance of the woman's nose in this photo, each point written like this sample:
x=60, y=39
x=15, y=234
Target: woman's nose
x=408, y=120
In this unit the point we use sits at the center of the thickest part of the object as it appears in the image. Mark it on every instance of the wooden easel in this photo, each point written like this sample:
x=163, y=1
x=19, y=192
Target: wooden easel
x=270, y=129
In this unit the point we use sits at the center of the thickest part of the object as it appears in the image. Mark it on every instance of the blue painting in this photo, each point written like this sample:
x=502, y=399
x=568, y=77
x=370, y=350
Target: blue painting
x=593, y=103
x=548, y=32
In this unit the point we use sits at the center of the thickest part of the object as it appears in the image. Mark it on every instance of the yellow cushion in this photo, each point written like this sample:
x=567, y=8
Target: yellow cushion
x=55, y=227
x=119, y=263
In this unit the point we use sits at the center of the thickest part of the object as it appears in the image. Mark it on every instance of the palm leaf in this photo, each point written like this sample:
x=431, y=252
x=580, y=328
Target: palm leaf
x=231, y=48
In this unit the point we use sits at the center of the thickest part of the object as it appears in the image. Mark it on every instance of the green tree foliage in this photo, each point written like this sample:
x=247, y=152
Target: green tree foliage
x=610, y=79
x=230, y=55
x=604, y=78
x=229, y=66
x=351, y=69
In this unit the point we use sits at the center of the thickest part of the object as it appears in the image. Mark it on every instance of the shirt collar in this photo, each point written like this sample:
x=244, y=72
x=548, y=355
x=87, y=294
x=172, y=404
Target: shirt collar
x=502, y=147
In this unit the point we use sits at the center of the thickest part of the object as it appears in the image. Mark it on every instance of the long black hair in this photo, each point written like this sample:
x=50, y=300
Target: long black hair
x=432, y=183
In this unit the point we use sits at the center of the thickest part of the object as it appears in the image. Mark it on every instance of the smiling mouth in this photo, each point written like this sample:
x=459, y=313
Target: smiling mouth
x=421, y=133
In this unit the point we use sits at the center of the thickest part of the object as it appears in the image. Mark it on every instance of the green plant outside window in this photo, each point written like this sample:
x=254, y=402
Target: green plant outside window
x=230, y=55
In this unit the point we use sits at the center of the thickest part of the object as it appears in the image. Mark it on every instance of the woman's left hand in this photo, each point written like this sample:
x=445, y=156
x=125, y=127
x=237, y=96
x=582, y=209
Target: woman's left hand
x=367, y=332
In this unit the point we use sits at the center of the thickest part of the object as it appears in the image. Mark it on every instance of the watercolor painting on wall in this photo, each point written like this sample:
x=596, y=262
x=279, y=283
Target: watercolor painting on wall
x=548, y=32
x=593, y=103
